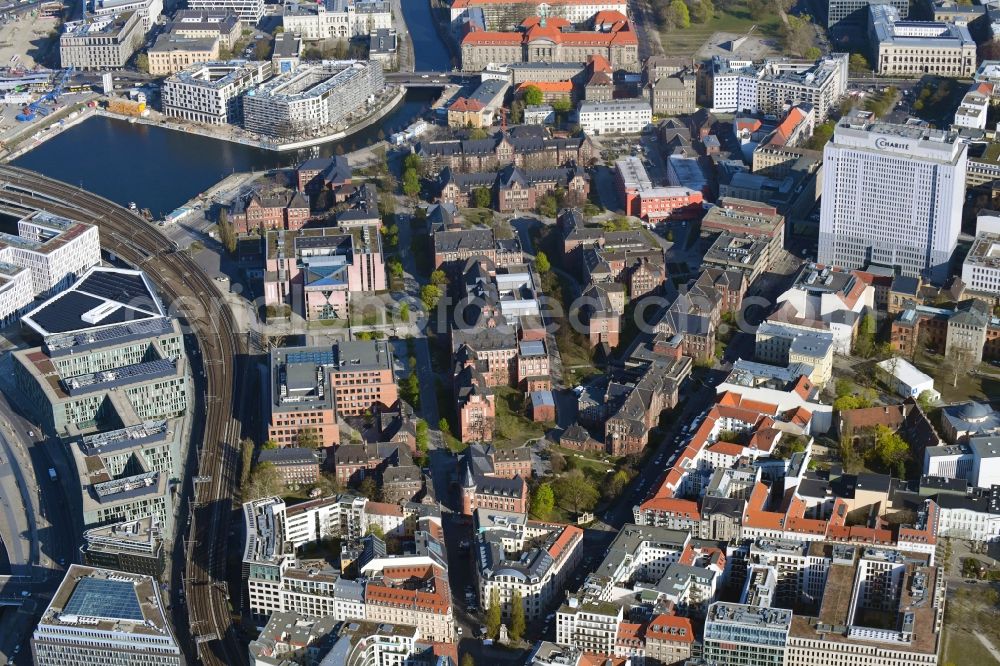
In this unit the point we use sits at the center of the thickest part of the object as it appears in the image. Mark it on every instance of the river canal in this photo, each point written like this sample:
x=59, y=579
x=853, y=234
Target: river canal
x=161, y=169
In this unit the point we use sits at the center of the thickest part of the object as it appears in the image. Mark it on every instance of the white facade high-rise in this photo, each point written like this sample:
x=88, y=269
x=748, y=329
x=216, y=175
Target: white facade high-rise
x=892, y=196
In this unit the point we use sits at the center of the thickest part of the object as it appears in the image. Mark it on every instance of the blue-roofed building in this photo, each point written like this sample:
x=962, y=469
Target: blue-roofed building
x=543, y=406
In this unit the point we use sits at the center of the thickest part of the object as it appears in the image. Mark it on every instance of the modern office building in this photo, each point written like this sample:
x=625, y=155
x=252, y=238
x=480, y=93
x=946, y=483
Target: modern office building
x=319, y=273
x=311, y=386
x=311, y=100
x=125, y=474
x=110, y=357
x=623, y=116
x=981, y=267
x=919, y=48
x=134, y=546
x=148, y=10
x=46, y=255
x=741, y=634
x=248, y=11
x=212, y=93
x=741, y=86
x=336, y=19
x=101, y=42
x=171, y=53
x=409, y=589
x=100, y=616
x=733, y=220
x=892, y=196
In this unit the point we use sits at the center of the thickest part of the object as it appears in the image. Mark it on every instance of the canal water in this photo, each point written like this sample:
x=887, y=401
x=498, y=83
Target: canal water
x=430, y=53
x=161, y=169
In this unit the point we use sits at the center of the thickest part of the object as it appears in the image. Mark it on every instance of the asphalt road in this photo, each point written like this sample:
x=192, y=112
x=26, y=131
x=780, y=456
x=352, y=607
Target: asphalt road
x=45, y=526
x=695, y=398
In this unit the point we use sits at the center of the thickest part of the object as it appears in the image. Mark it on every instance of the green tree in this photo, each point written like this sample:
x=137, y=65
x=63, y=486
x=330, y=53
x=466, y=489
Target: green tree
x=493, y=614
x=411, y=183
x=858, y=64
x=439, y=278
x=413, y=161
x=575, y=490
x=812, y=53
x=376, y=530
x=422, y=433
x=542, y=263
x=516, y=112
x=482, y=197
x=821, y=136
x=701, y=10
x=562, y=105
x=864, y=345
x=517, y=624
x=616, y=484
x=264, y=481
x=891, y=450
x=142, y=63
x=395, y=267
x=543, y=501
x=262, y=50
x=548, y=206
x=532, y=96
x=443, y=426
x=369, y=488
x=246, y=460
x=227, y=236
x=926, y=401
x=467, y=660
x=478, y=133
x=430, y=295
x=678, y=15
x=404, y=312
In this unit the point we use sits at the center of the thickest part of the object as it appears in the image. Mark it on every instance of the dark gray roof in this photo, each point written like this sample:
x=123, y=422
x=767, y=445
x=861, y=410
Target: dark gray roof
x=288, y=456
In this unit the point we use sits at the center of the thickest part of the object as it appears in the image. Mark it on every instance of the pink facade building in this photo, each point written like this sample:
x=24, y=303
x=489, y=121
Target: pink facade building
x=316, y=271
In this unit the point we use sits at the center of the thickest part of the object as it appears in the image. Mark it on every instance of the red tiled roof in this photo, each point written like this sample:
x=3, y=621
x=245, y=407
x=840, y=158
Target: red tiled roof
x=784, y=131
x=465, y=104
x=547, y=86
x=670, y=628
x=569, y=533
x=726, y=449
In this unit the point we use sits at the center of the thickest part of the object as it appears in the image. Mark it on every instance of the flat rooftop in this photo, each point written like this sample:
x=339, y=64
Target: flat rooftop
x=106, y=600
x=102, y=297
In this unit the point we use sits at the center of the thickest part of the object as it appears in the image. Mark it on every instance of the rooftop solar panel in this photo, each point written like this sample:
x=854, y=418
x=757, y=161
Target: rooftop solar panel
x=317, y=357
x=107, y=599
x=115, y=286
x=65, y=314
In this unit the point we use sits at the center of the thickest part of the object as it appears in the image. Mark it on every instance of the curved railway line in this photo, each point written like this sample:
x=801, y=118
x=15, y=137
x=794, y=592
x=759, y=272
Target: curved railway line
x=210, y=629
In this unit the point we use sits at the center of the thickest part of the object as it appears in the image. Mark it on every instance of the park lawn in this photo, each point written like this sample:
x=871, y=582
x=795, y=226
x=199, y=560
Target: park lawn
x=736, y=19
x=969, y=386
x=512, y=426
x=961, y=647
x=585, y=461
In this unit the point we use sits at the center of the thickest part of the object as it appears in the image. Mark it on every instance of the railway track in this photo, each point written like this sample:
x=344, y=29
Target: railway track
x=192, y=297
